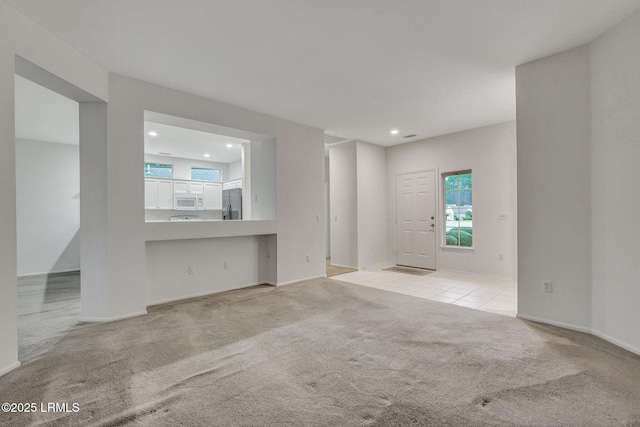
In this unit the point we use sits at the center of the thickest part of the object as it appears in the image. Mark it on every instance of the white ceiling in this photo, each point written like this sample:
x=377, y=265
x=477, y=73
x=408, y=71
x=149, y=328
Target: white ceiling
x=191, y=144
x=355, y=68
x=43, y=115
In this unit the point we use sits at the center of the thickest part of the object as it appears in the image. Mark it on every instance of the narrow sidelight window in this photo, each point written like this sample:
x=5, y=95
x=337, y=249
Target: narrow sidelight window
x=458, y=211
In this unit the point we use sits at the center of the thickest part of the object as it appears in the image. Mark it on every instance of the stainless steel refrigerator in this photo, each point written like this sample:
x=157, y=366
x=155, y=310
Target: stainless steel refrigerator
x=232, y=204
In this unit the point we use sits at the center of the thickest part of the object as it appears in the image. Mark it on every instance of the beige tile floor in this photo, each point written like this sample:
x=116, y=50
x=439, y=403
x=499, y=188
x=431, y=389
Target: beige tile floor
x=495, y=295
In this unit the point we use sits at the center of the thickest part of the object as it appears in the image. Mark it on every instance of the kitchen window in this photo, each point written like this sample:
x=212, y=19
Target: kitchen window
x=158, y=170
x=458, y=210
x=205, y=174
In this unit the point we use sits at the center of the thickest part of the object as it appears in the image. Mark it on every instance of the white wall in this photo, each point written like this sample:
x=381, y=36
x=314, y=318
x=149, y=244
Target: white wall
x=300, y=207
x=95, y=298
x=168, y=263
x=372, y=204
x=234, y=171
x=47, y=207
x=247, y=181
x=490, y=152
x=578, y=154
x=182, y=167
x=20, y=36
x=300, y=183
x=344, y=204
x=263, y=179
x=357, y=199
x=615, y=108
x=327, y=193
x=554, y=199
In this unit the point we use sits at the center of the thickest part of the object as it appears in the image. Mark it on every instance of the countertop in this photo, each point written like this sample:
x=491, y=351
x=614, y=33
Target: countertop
x=156, y=230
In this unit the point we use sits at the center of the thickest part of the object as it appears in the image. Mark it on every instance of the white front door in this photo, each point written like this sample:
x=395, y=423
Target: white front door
x=416, y=220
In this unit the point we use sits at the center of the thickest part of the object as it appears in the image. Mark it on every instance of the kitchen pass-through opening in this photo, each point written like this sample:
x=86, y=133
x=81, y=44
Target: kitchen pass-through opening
x=196, y=171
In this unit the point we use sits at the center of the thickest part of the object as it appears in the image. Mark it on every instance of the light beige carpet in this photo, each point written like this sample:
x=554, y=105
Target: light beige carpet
x=327, y=353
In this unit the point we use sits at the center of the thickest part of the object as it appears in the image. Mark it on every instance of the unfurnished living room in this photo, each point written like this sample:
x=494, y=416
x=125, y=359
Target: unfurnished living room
x=313, y=213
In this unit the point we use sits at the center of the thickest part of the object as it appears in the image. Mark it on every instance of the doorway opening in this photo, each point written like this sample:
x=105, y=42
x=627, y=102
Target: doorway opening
x=47, y=215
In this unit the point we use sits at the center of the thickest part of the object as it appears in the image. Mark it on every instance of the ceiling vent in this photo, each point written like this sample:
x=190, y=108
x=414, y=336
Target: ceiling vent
x=333, y=139
x=410, y=136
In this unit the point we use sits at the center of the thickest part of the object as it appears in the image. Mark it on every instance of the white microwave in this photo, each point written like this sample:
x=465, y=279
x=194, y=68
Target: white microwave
x=188, y=202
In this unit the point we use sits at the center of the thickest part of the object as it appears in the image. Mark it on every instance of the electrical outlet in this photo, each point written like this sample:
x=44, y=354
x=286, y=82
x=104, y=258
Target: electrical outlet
x=268, y=253
x=192, y=270
x=308, y=258
x=226, y=265
x=548, y=286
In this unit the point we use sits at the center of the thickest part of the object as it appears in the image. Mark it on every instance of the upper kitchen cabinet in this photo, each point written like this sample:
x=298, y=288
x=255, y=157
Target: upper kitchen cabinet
x=158, y=193
x=192, y=187
x=230, y=185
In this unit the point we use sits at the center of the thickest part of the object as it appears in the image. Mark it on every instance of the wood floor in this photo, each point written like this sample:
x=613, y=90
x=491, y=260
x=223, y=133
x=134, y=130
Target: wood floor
x=48, y=307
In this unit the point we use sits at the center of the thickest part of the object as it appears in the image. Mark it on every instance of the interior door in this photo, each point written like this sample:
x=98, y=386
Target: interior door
x=416, y=220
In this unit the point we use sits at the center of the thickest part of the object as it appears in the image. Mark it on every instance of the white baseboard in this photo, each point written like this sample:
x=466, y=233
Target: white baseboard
x=9, y=368
x=554, y=323
x=322, y=276
x=584, y=329
x=205, y=293
x=344, y=266
x=46, y=273
x=112, y=319
x=617, y=342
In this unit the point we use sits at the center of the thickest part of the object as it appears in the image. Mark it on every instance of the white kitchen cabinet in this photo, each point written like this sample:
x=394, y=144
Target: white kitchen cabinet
x=151, y=194
x=196, y=187
x=230, y=185
x=212, y=196
x=193, y=187
x=165, y=194
x=180, y=186
x=158, y=193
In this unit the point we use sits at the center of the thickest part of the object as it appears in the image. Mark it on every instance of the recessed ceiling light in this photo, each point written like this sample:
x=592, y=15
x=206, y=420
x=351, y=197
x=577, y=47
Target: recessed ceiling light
x=229, y=145
x=152, y=133
x=207, y=155
x=394, y=132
